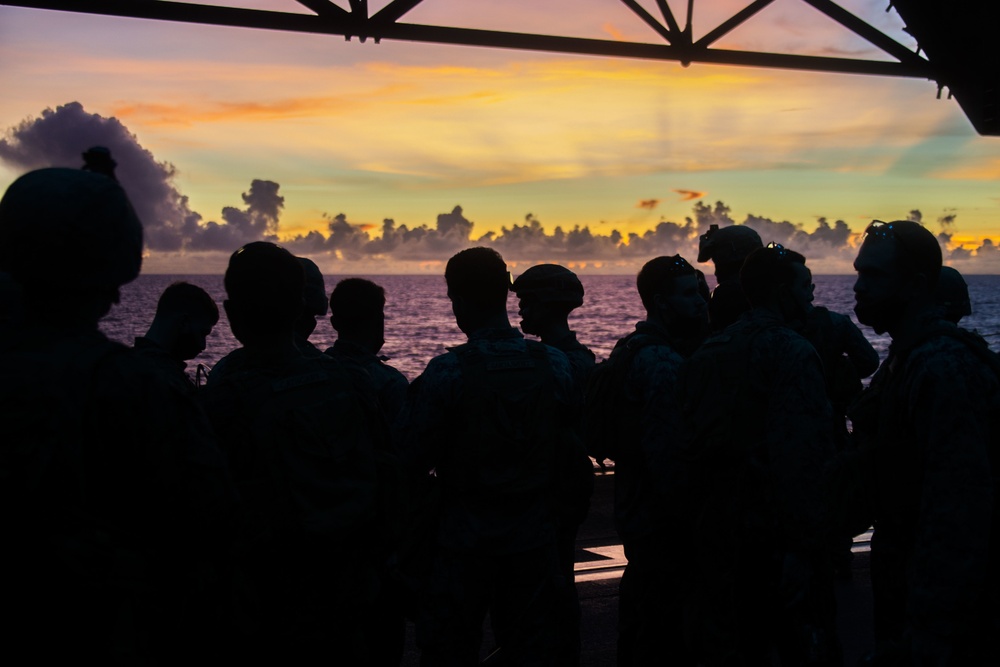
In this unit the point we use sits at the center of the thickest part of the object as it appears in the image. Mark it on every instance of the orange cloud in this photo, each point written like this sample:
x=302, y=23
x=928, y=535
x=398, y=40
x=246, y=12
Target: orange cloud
x=613, y=32
x=648, y=204
x=688, y=195
x=366, y=227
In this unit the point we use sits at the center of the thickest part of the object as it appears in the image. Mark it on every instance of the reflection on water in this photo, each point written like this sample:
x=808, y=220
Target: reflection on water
x=420, y=325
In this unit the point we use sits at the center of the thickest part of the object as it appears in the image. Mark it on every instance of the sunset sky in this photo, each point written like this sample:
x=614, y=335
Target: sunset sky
x=350, y=134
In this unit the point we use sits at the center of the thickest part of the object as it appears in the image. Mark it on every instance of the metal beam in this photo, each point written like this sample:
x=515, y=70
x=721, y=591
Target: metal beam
x=731, y=23
x=324, y=8
x=351, y=26
x=394, y=11
x=865, y=30
x=649, y=19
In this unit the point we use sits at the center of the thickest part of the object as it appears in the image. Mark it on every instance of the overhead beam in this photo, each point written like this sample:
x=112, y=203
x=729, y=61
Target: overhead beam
x=351, y=26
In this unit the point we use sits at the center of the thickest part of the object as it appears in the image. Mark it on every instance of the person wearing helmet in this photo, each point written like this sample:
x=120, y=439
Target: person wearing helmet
x=727, y=248
x=313, y=306
x=952, y=294
x=114, y=490
x=547, y=294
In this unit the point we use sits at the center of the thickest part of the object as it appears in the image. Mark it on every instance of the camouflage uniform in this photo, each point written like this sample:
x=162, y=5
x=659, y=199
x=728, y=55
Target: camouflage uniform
x=582, y=360
x=300, y=434
x=648, y=491
x=172, y=369
x=501, y=492
x=389, y=384
x=115, y=495
x=756, y=421
x=929, y=421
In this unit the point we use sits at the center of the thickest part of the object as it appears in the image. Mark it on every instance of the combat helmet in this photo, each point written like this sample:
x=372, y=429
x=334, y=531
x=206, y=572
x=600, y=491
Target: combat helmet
x=314, y=295
x=728, y=244
x=952, y=293
x=68, y=229
x=550, y=283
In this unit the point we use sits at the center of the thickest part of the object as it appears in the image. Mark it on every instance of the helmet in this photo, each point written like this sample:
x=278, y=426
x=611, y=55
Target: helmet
x=68, y=228
x=953, y=294
x=315, y=289
x=729, y=244
x=550, y=283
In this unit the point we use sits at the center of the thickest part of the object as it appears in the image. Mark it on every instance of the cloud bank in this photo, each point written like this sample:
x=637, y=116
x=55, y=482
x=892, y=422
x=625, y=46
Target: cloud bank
x=58, y=137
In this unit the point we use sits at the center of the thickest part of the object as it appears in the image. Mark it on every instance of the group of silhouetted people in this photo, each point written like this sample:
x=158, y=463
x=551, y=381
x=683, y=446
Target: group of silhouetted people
x=297, y=506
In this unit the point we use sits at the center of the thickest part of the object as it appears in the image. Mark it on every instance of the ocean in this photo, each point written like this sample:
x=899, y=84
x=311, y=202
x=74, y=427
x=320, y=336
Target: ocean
x=419, y=323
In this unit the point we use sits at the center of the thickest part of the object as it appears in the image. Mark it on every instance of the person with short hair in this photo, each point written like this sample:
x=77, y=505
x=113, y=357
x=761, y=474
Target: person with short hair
x=184, y=319
x=357, y=314
x=300, y=433
x=492, y=423
x=928, y=425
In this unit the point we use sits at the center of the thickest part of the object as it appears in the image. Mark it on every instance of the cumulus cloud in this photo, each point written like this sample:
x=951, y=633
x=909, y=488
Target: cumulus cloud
x=58, y=137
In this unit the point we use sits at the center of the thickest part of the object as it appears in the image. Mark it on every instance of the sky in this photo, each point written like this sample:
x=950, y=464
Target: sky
x=388, y=158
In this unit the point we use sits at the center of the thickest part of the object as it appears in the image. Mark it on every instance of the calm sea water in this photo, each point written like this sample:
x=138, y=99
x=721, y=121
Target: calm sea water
x=420, y=325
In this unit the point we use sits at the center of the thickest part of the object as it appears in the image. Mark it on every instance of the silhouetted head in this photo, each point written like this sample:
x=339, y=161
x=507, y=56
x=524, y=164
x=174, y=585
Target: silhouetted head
x=70, y=238
x=313, y=298
x=478, y=284
x=898, y=266
x=727, y=247
x=357, y=312
x=668, y=288
x=777, y=278
x=187, y=313
x=98, y=160
x=547, y=294
x=952, y=294
x=264, y=283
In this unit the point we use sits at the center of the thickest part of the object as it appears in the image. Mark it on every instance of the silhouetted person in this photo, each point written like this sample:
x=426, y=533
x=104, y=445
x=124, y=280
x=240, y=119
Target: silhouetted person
x=357, y=314
x=649, y=484
x=847, y=357
x=547, y=294
x=494, y=419
x=300, y=433
x=758, y=439
x=928, y=421
x=185, y=316
x=727, y=247
x=313, y=306
x=952, y=294
x=113, y=488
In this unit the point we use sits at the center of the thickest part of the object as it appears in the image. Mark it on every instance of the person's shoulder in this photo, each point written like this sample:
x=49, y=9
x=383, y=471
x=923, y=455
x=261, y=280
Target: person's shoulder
x=948, y=351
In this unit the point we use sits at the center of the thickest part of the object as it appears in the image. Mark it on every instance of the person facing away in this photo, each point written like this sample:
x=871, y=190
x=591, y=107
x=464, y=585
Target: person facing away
x=184, y=319
x=547, y=294
x=313, y=306
x=727, y=248
x=757, y=437
x=114, y=491
x=357, y=314
x=928, y=421
x=300, y=434
x=493, y=420
x=649, y=484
